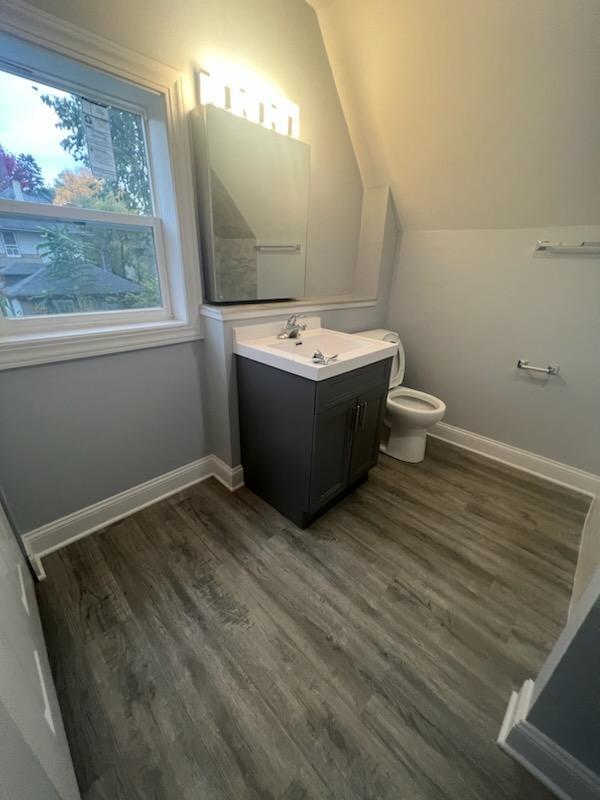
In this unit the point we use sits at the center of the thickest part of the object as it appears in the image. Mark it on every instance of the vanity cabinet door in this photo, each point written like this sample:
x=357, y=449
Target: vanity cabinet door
x=332, y=446
x=367, y=434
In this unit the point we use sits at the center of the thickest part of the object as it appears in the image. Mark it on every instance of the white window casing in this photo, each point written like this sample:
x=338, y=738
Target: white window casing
x=155, y=92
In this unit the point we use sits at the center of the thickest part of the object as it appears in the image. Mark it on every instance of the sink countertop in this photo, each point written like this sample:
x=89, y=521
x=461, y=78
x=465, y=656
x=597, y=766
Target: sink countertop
x=260, y=343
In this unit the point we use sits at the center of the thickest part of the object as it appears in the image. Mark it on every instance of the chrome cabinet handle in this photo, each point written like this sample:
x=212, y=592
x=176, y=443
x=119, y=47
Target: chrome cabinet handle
x=358, y=420
x=355, y=417
x=363, y=414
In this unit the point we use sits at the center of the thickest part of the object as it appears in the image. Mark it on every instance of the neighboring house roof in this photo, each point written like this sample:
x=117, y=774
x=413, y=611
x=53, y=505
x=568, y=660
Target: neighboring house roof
x=8, y=193
x=91, y=281
x=19, y=224
x=20, y=267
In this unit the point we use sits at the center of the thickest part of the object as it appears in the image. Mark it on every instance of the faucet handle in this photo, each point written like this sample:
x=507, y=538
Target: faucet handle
x=292, y=322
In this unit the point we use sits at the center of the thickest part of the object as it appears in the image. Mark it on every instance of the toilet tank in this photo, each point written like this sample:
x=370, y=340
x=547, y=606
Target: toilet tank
x=383, y=335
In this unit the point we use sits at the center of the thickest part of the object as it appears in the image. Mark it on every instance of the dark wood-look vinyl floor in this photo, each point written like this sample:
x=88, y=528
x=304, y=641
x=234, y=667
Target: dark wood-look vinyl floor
x=207, y=648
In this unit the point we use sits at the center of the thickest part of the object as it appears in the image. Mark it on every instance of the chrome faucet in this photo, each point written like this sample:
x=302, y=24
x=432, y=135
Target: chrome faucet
x=293, y=328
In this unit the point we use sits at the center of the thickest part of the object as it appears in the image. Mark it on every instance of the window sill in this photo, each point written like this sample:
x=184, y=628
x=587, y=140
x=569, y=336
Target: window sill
x=28, y=350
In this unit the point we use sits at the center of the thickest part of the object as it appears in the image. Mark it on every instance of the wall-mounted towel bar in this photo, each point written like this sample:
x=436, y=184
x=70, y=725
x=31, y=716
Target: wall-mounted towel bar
x=551, y=369
x=566, y=248
x=278, y=248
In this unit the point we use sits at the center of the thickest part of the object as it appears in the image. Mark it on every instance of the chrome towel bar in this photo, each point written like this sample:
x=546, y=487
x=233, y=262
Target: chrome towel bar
x=551, y=369
x=575, y=248
x=278, y=248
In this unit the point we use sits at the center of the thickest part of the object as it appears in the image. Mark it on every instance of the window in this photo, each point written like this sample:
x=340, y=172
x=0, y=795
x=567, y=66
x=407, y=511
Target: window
x=78, y=185
x=11, y=248
x=88, y=204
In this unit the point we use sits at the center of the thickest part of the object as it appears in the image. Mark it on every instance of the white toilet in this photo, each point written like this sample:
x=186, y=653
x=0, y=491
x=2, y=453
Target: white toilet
x=409, y=413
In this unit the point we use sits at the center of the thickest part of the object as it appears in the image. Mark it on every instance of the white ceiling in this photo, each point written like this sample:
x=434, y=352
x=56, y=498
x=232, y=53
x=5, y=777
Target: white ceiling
x=479, y=113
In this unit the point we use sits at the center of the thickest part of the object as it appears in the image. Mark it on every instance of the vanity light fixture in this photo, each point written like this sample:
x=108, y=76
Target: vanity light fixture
x=276, y=113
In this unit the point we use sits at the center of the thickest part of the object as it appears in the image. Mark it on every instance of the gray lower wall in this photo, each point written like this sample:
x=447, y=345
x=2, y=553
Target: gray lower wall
x=76, y=432
x=469, y=303
x=567, y=708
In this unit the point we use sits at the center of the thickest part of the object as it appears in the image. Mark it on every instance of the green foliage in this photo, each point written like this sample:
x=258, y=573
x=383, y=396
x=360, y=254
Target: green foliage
x=127, y=132
x=68, y=255
x=73, y=250
x=23, y=169
x=30, y=173
x=70, y=250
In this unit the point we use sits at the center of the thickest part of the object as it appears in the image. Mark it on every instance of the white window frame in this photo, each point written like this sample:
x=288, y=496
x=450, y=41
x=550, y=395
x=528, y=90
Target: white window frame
x=34, y=340
x=14, y=246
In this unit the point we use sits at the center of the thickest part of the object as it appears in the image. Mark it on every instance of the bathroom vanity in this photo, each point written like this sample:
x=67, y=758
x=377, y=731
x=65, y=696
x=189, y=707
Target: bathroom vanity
x=309, y=432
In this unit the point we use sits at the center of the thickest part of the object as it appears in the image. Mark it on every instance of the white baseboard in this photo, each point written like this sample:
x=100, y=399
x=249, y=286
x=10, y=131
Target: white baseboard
x=517, y=709
x=571, y=477
x=61, y=532
x=557, y=769
x=231, y=477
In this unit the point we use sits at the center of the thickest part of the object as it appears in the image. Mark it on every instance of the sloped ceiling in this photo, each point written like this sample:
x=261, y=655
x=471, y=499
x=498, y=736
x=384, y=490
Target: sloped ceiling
x=479, y=113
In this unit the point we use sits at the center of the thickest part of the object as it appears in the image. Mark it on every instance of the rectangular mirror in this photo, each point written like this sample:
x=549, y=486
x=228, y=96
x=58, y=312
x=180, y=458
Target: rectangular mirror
x=253, y=188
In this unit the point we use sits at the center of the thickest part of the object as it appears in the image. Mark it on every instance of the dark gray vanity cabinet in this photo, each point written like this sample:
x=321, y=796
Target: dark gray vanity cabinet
x=306, y=443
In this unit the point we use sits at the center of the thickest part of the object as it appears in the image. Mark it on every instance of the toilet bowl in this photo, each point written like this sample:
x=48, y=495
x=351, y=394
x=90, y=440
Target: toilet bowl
x=408, y=416
x=409, y=413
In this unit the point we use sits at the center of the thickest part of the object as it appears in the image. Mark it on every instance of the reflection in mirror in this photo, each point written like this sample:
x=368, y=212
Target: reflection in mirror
x=253, y=193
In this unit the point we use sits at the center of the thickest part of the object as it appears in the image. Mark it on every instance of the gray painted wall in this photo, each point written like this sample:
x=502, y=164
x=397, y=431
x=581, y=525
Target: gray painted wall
x=76, y=432
x=469, y=303
x=568, y=707
x=276, y=43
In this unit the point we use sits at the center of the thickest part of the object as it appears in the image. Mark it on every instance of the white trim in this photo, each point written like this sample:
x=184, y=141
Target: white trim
x=76, y=214
x=588, y=559
x=259, y=310
x=557, y=769
x=231, y=477
x=517, y=709
x=46, y=539
x=25, y=351
x=38, y=27
x=585, y=482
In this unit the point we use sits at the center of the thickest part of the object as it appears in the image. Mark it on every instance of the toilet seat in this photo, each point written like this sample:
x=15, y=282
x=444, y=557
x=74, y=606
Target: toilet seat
x=418, y=403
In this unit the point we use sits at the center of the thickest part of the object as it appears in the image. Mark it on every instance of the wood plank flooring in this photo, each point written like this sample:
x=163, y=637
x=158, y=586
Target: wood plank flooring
x=207, y=648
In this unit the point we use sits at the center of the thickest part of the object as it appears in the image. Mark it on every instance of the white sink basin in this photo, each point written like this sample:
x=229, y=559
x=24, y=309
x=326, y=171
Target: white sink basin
x=260, y=343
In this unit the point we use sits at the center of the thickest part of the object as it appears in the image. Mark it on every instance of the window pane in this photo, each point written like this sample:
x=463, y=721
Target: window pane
x=75, y=267
x=11, y=248
x=57, y=147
